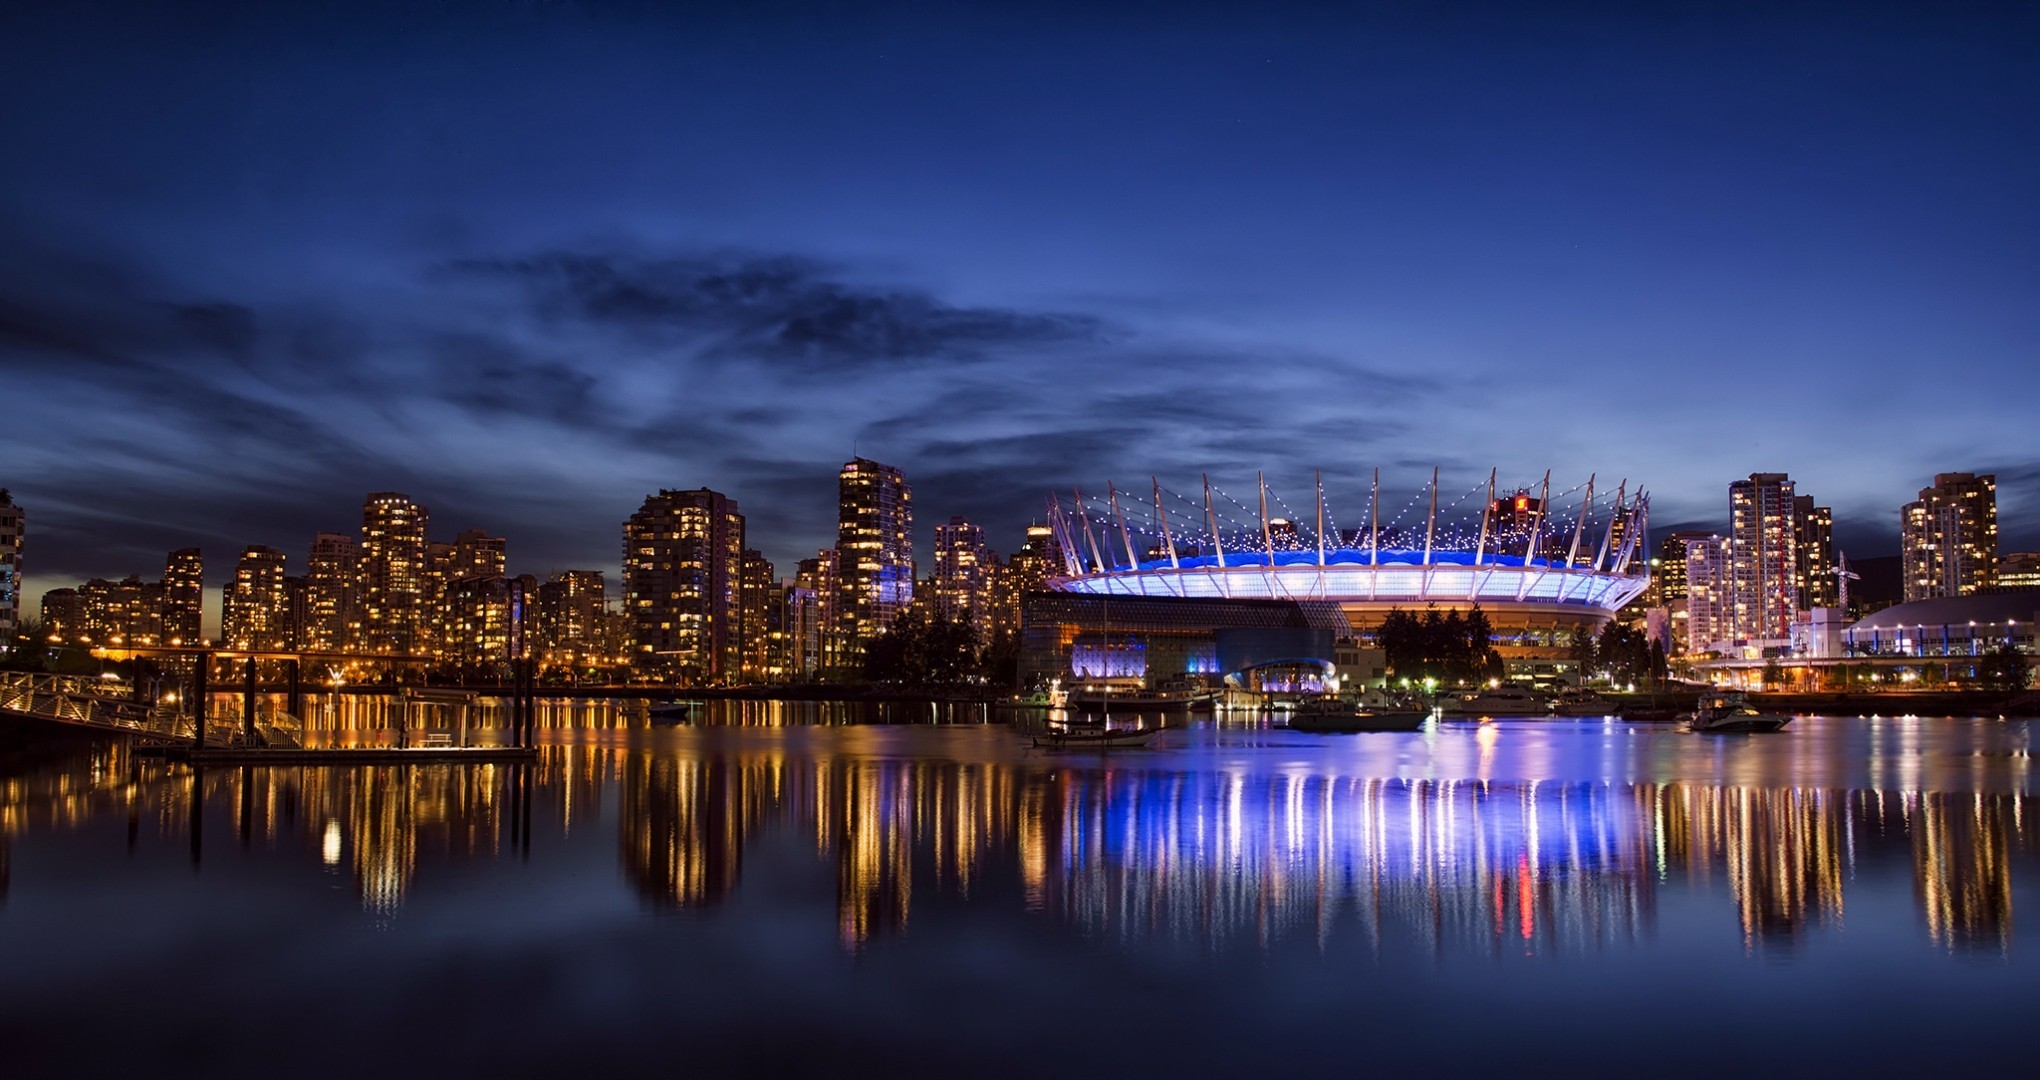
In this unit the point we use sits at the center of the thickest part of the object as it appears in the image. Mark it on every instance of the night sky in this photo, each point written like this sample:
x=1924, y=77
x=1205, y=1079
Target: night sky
x=531, y=261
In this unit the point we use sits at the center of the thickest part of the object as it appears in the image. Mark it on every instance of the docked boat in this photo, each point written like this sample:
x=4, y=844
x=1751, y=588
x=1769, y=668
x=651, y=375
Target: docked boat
x=1732, y=714
x=1649, y=714
x=1496, y=701
x=1331, y=715
x=672, y=712
x=1580, y=701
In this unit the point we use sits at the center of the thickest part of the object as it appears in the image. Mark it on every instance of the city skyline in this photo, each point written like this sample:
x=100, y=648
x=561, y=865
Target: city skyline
x=1371, y=237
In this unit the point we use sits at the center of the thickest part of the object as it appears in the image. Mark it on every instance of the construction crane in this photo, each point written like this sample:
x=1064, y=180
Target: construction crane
x=1844, y=575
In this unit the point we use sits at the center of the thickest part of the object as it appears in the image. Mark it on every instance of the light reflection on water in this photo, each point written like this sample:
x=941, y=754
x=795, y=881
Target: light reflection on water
x=1517, y=841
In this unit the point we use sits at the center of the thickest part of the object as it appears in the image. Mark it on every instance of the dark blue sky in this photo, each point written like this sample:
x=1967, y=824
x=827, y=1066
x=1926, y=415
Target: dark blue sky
x=529, y=261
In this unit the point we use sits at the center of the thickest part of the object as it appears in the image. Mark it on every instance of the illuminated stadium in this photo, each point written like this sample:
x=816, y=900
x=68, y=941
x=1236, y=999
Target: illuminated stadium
x=1544, y=566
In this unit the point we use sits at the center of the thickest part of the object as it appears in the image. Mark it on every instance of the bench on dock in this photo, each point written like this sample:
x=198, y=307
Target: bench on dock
x=435, y=739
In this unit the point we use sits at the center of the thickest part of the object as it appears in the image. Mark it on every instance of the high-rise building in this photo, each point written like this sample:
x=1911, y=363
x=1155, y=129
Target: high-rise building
x=963, y=577
x=184, y=598
x=64, y=616
x=874, y=555
x=1764, y=557
x=682, y=583
x=1669, y=583
x=255, y=607
x=13, y=530
x=760, y=600
x=124, y=612
x=393, y=613
x=1709, y=591
x=451, y=615
x=1813, y=547
x=800, y=645
x=1948, y=539
x=478, y=620
x=815, y=624
x=568, y=621
x=332, y=582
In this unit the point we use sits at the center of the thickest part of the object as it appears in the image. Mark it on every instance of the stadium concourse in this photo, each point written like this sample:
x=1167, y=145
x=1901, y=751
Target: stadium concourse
x=1169, y=589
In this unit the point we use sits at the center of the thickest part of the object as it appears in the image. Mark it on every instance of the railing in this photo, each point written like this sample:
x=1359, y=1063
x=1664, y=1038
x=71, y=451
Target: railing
x=72, y=699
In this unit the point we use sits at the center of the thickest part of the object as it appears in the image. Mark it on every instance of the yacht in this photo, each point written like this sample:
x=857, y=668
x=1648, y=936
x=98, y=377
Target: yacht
x=1496, y=701
x=1579, y=701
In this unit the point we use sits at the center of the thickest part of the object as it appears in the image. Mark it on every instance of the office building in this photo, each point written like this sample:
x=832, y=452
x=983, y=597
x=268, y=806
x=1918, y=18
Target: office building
x=874, y=555
x=184, y=598
x=1764, y=557
x=393, y=616
x=332, y=582
x=255, y=607
x=2019, y=570
x=682, y=582
x=1948, y=538
x=1670, y=585
x=13, y=530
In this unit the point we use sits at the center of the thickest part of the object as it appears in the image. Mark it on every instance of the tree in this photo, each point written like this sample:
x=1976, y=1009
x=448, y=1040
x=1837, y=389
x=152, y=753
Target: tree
x=921, y=653
x=29, y=649
x=1449, y=648
x=2003, y=668
x=1774, y=673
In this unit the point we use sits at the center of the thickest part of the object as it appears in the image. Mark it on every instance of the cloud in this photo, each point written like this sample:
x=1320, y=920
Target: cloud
x=783, y=311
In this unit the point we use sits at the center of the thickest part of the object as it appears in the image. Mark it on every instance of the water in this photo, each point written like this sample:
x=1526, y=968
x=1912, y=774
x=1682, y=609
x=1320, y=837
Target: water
x=792, y=888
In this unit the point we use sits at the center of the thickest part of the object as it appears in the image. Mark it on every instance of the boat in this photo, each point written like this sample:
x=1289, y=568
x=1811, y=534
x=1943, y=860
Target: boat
x=671, y=712
x=1496, y=701
x=1649, y=714
x=1331, y=715
x=1732, y=714
x=1580, y=701
x=1103, y=738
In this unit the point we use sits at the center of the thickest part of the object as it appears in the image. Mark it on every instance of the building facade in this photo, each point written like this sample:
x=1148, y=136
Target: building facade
x=13, y=531
x=393, y=616
x=184, y=598
x=2019, y=570
x=874, y=555
x=569, y=621
x=255, y=606
x=1709, y=592
x=1764, y=557
x=964, y=574
x=1948, y=537
x=682, y=585
x=1813, y=544
x=763, y=623
x=332, y=587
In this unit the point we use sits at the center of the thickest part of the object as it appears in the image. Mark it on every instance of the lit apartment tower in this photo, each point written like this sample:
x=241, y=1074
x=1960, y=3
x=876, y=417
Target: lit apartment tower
x=962, y=582
x=800, y=645
x=568, y=619
x=255, y=607
x=1710, y=591
x=682, y=581
x=479, y=619
x=392, y=611
x=184, y=598
x=759, y=598
x=818, y=577
x=1764, y=560
x=13, y=530
x=874, y=554
x=124, y=612
x=63, y=615
x=1813, y=544
x=1670, y=582
x=297, y=610
x=332, y=581
x=1948, y=539
x=473, y=556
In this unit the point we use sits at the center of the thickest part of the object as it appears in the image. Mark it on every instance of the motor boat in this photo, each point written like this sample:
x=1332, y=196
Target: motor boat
x=1331, y=715
x=1496, y=701
x=1580, y=701
x=1732, y=714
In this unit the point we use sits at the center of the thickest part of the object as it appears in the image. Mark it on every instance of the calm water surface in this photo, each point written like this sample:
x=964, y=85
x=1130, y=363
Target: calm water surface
x=837, y=889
